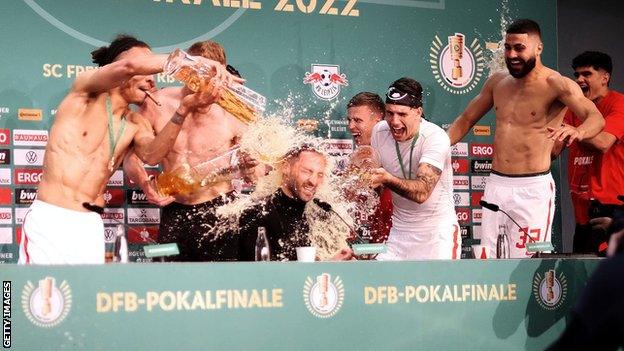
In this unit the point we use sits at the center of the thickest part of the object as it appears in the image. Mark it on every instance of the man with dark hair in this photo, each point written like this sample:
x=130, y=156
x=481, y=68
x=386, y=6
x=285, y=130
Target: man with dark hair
x=529, y=101
x=364, y=110
x=415, y=157
x=282, y=214
x=596, y=165
x=92, y=130
x=190, y=219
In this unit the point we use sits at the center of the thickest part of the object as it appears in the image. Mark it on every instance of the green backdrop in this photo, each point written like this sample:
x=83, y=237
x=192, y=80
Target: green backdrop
x=45, y=42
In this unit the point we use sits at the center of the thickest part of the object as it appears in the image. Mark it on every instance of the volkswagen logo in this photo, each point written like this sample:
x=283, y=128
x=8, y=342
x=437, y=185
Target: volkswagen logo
x=457, y=199
x=31, y=157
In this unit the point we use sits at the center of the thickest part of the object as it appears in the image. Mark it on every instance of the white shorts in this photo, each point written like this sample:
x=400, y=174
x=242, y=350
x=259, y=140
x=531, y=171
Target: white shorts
x=56, y=235
x=442, y=241
x=529, y=200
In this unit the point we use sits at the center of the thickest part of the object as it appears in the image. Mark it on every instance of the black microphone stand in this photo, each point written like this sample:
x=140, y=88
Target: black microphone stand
x=496, y=208
x=328, y=208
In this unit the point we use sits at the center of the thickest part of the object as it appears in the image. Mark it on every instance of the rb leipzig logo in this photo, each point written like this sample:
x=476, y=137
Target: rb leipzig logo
x=326, y=80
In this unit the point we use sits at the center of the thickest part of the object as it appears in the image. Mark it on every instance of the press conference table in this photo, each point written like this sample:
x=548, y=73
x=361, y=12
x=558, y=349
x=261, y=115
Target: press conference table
x=360, y=305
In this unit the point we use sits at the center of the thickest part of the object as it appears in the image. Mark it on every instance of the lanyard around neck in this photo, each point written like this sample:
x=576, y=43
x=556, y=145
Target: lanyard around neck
x=112, y=140
x=396, y=144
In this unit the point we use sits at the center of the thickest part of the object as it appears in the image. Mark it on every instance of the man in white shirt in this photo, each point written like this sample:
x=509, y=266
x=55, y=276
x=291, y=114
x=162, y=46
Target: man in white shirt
x=415, y=157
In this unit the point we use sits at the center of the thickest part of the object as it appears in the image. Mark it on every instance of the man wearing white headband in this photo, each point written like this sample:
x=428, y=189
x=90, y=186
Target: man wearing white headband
x=415, y=156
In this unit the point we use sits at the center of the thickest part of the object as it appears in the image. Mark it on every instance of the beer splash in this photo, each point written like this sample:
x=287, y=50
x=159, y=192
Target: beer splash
x=495, y=58
x=269, y=140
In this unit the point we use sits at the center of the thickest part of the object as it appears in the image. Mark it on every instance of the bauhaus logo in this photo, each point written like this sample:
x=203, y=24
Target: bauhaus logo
x=6, y=215
x=28, y=137
x=113, y=215
x=460, y=183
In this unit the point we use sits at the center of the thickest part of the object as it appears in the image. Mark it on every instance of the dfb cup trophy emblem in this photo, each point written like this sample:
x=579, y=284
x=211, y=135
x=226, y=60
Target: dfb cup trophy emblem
x=550, y=290
x=323, y=295
x=458, y=64
x=46, y=305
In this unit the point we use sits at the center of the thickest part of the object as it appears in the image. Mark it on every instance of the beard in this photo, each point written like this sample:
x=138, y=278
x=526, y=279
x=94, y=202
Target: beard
x=526, y=68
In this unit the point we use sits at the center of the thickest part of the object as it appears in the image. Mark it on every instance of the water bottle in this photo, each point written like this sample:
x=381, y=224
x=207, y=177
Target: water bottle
x=502, y=243
x=262, y=246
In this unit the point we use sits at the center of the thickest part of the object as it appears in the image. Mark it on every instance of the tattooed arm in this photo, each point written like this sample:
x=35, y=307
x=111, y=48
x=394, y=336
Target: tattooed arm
x=417, y=190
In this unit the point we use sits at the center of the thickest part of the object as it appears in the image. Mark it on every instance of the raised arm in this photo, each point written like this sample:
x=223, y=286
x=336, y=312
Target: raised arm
x=113, y=74
x=476, y=109
x=152, y=150
x=570, y=94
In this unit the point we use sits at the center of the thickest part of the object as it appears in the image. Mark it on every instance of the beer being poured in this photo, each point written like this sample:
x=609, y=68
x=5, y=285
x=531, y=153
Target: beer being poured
x=241, y=102
x=185, y=180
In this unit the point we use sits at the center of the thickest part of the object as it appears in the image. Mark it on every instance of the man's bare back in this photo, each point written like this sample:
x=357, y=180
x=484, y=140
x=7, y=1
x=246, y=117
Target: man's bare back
x=203, y=137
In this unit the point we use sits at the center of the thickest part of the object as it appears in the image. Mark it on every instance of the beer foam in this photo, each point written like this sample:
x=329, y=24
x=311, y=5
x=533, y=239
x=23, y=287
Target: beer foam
x=269, y=140
x=495, y=58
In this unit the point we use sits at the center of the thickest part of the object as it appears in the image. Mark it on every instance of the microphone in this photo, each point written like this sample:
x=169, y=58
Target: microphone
x=93, y=208
x=496, y=208
x=328, y=208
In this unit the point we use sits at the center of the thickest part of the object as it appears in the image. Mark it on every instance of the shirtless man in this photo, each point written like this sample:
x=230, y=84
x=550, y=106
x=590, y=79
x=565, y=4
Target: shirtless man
x=529, y=102
x=189, y=220
x=91, y=133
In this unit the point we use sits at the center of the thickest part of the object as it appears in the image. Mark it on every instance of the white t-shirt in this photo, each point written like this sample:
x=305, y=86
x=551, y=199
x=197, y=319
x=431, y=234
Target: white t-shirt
x=433, y=147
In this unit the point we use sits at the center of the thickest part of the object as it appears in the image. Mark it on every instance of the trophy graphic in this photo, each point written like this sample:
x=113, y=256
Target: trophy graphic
x=456, y=46
x=46, y=284
x=550, y=283
x=323, y=282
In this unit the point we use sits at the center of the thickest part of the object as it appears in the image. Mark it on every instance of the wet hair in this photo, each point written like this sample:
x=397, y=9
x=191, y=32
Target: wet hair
x=524, y=26
x=295, y=152
x=365, y=98
x=408, y=86
x=107, y=54
x=210, y=50
x=596, y=59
